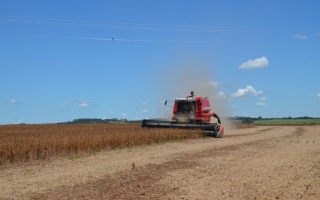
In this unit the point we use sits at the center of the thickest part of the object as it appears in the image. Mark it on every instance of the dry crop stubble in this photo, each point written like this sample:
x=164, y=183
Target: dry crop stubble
x=23, y=143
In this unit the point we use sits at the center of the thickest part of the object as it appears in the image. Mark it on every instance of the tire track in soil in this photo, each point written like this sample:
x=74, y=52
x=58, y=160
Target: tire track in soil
x=123, y=185
x=141, y=182
x=247, y=134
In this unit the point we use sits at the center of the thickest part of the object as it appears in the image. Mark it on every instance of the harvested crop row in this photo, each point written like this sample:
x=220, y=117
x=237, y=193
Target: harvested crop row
x=20, y=143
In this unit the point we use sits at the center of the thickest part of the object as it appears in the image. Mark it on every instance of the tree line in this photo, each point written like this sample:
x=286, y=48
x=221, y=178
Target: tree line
x=238, y=119
x=250, y=120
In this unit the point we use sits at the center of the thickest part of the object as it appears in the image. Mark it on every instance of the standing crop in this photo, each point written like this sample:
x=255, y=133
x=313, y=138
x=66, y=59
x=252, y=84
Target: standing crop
x=21, y=143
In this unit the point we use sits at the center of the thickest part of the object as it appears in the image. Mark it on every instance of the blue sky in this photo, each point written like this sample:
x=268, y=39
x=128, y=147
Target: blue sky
x=58, y=61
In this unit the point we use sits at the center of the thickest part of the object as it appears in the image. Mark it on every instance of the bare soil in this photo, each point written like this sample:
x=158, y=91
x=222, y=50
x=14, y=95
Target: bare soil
x=281, y=162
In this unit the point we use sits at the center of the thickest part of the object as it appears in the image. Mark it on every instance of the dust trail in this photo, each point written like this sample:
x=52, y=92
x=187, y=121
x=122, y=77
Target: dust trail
x=178, y=80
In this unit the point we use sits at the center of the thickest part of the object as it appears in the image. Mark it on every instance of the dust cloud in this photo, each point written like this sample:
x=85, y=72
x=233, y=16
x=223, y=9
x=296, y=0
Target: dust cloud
x=178, y=80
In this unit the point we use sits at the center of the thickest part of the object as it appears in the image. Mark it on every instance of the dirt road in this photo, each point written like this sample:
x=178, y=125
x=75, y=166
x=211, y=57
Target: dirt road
x=255, y=163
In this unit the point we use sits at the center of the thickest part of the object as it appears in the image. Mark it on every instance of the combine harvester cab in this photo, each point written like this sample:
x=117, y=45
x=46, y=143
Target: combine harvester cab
x=190, y=113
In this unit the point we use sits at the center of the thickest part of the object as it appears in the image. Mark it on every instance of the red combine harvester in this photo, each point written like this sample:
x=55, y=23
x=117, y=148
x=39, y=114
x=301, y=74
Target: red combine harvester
x=190, y=113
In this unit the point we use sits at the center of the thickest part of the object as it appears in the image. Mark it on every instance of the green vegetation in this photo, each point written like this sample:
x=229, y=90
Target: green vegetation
x=276, y=121
x=287, y=121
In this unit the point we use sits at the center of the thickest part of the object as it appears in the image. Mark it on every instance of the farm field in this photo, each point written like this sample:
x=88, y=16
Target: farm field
x=271, y=162
x=23, y=143
x=287, y=122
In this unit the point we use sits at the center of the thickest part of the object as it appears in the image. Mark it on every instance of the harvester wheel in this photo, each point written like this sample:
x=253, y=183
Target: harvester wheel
x=219, y=135
x=220, y=132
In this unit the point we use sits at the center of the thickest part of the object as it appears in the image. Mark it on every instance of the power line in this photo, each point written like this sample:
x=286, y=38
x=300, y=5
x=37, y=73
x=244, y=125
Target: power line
x=59, y=37
x=105, y=39
x=132, y=26
x=154, y=41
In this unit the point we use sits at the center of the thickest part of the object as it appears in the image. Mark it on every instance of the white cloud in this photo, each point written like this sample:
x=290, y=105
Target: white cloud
x=302, y=37
x=19, y=121
x=13, y=101
x=144, y=103
x=221, y=95
x=144, y=111
x=124, y=115
x=83, y=103
x=111, y=112
x=263, y=98
x=261, y=104
x=317, y=34
x=255, y=64
x=315, y=95
x=248, y=91
x=211, y=84
x=66, y=101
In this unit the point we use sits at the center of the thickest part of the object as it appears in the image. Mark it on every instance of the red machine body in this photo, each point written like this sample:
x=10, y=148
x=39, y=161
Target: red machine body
x=192, y=110
x=190, y=113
